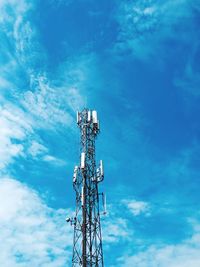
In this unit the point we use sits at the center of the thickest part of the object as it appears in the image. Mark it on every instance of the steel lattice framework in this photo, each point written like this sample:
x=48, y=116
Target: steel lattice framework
x=87, y=245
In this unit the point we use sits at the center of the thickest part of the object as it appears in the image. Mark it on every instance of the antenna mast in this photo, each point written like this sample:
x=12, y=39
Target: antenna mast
x=87, y=243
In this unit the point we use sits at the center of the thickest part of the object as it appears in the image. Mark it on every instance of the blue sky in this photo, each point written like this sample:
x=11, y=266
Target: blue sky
x=137, y=63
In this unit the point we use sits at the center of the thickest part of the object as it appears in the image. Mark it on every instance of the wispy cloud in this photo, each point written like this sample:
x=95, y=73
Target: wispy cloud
x=145, y=25
x=54, y=160
x=115, y=226
x=183, y=254
x=30, y=99
x=33, y=233
x=137, y=207
x=36, y=149
x=46, y=104
x=15, y=125
x=115, y=230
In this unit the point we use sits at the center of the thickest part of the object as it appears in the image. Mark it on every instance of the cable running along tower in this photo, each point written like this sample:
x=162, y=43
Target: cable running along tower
x=87, y=243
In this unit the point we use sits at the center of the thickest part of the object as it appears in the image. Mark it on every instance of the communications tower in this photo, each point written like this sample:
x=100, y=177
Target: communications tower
x=87, y=243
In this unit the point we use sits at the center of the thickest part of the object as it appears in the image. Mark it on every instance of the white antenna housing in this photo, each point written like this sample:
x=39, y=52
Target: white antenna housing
x=89, y=116
x=101, y=168
x=100, y=172
x=83, y=160
x=94, y=117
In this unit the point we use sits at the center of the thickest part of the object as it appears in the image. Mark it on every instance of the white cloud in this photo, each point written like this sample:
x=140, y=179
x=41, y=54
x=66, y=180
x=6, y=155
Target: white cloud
x=14, y=128
x=16, y=125
x=41, y=104
x=179, y=255
x=78, y=74
x=137, y=207
x=12, y=21
x=145, y=24
x=49, y=102
x=115, y=227
x=55, y=101
x=37, y=149
x=32, y=233
x=114, y=230
x=54, y=160
x=18, y=138
x=10, y=7
x=49, y=105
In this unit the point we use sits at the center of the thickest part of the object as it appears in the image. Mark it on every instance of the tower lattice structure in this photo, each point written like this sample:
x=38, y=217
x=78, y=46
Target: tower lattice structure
x=87, y=243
